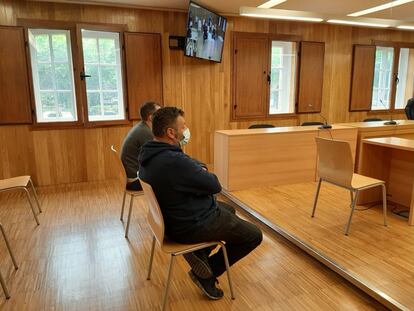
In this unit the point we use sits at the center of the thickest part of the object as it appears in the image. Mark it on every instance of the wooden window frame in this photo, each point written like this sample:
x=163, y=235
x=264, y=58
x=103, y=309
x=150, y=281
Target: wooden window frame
x=299, y=72
x=285, y=38
x=77, y=59
x=160, y=102
x=28, y=119
x=396, y=45
x=355, y=84
x=110, y=28
x=267, y=116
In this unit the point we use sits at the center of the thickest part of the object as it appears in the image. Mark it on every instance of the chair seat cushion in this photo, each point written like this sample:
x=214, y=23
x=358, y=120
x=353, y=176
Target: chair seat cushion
x=361, y=181
x=9, y=183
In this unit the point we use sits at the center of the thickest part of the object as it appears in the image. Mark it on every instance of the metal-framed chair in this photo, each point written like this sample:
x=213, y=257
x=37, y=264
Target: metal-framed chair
x=22, y=183
x=156, y=223
x=131, y=193
x=335, y=166
x=2, y=282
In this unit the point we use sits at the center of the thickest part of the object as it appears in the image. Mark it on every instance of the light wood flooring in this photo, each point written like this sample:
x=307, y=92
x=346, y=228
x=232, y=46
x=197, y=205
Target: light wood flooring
x=78, y=259
x=382, y=257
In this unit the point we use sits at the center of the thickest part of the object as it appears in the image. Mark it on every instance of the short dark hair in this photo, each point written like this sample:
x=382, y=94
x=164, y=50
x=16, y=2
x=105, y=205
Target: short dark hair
x=147, y=109
x=165, y=118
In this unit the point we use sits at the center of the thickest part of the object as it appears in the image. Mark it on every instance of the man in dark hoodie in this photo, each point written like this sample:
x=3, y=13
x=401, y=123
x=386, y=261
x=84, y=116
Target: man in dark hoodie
x=185, y=191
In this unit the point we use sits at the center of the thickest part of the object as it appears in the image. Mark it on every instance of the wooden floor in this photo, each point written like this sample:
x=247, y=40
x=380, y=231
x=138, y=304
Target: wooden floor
x=382, y=257
x=78, y=259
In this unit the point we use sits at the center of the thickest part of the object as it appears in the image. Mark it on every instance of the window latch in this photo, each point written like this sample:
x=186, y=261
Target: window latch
x=83, y=75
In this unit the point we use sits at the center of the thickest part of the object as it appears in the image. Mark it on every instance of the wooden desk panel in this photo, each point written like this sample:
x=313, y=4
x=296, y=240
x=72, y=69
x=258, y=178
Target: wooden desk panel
x=404, y=128
x=392, y=142
x=271, y=160
x=390, y=159
x=260, y=157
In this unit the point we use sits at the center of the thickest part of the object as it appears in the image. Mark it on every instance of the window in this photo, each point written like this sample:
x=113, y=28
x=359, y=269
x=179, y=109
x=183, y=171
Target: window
x=77, y=73
x=392, y=85
x=102, y=63
x=52, y=71
x=282, y=77
x=381, y=91
x=405, y=78
x=264, y=75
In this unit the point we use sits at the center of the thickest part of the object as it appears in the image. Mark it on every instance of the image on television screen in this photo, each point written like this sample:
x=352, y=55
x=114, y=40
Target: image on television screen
x=205, y=33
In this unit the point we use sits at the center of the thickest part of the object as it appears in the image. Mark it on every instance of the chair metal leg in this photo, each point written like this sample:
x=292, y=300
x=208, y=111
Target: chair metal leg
x=384, y=203
x=35, y=195
x=352, y=212
x=316, y=196
x=31, y=205
x=8, y=246
x=151, y=258
x=123, y=205
x=167, y=286
x=352, y=197
x=129, y=216
x=3, y=285
x=226, y=261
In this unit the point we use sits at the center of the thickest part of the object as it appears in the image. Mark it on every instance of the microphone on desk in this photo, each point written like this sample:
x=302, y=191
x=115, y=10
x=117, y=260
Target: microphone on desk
x=390, y=122
x=326, y=125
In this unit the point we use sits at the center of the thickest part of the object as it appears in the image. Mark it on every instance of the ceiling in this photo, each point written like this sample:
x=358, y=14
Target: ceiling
x=335, y=8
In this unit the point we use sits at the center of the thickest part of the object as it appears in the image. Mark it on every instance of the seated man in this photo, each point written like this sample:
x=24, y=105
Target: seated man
x=136, y=137
x=185, y=192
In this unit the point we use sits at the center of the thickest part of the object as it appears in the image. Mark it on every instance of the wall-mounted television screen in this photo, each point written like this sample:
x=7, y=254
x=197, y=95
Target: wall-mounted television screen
x=205, y=33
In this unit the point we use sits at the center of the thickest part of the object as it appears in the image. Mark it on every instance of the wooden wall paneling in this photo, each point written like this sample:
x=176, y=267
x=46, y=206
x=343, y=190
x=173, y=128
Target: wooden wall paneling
x=250, y=70
x=111, y=136
x=14, y=82
x=206, y=111
x=362, y=77
x=311, y=73
x=75, y=154
x=16, y=152
x=59, y=156
x=143, y=58
x=42, y=158
x=95, y=161
x=337, y=99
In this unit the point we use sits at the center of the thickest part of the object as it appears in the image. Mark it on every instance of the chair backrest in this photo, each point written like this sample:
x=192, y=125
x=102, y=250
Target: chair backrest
x=373, y=119
x=335, y=162
x=311, y=123
x=118, y=163
x=409, y=109
x=155, y=219
x=260, y=126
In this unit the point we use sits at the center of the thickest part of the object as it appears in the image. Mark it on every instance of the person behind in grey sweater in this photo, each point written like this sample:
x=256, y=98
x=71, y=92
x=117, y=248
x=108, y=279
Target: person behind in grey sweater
x=131, y=147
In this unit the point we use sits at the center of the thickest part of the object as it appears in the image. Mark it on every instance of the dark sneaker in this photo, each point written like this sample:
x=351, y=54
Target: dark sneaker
x=208, y=286
x=198, y=262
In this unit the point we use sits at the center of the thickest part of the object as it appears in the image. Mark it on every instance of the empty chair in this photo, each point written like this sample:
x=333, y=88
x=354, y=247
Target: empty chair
x=260, y=126
x=335, y=166
x=22, y=183
x=409, y=109
x=372, y=119
x=311, y=123
x=3, y=284
x=131, y=193
x=156, y=223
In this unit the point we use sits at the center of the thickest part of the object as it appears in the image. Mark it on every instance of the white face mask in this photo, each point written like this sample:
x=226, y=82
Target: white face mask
x=186, y=137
